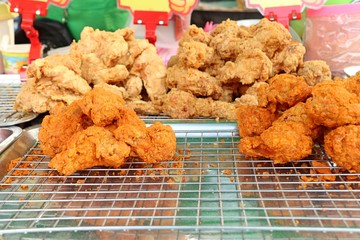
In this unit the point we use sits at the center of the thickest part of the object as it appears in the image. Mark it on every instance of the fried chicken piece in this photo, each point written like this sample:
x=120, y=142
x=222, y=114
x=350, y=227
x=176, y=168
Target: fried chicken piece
x=272, y=37
x=48, y=84
x=342, y=145
x=144, y=108
x=250, y=97
x=152, y=70
x=253, y=120
x=156, y=145
x=289, y=138
x=181, y=105
x=95, y=71
x=195, y=54
x=194, y=33
x=107, y=46
x=94, y=146
x=335, y=103
x=229, y=40
x=289, y=59
x=58, y=127
x=193, y=81
x=315, y=71
x=284, y=91
x=250, y=66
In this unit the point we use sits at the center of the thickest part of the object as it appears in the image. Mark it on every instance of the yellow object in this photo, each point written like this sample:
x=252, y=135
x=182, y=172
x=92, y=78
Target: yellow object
x=5, y=13
x=177, y=6
x=14, y=57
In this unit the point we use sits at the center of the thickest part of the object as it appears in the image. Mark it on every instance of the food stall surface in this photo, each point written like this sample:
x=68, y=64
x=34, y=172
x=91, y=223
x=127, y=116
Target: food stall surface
x=208, y=191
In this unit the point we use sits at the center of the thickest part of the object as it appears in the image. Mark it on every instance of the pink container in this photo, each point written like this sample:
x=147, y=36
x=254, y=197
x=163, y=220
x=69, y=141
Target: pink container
x=332, y=34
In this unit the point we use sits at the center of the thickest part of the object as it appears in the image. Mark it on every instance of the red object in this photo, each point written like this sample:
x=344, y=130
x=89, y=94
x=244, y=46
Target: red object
x=151, y=19
x=28, y=10
x=283, y=15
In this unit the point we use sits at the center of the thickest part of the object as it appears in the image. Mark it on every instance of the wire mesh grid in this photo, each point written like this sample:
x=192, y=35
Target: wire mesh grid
x=208, y=191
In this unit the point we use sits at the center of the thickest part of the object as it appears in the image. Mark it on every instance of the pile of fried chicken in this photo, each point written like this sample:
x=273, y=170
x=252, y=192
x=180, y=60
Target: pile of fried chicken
x=291, y=116
x=99, y=130
x=209, y=76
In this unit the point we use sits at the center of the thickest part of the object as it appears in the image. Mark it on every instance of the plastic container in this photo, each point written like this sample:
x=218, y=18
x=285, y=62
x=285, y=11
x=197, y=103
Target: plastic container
x=332, y=34
x=15, y=57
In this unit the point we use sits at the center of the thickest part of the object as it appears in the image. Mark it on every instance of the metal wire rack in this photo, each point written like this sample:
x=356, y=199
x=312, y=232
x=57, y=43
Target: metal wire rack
x=208, y=191
x=8, y=115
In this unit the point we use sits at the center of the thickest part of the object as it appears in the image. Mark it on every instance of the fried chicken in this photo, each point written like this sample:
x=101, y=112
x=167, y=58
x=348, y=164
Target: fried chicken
x=99, y=130
x=289, y=138
x=94, y=146
x=335, y=103
x=315, y=71
x=284, y=91
x=181, y=105
x=250, y=66
x=191, y=80
x=289, y=59
x=47, y=85
x=58, y=127
x=342, y=145
x=253, y=120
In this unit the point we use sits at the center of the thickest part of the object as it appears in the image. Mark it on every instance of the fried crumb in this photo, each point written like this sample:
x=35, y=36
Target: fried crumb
x=227, y=172
x=80, y=181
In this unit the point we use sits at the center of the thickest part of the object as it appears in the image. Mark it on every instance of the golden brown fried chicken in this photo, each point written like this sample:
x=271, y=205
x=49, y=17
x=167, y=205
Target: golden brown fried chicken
x=180, y=104
x=94, y=146
x=289, y=138
x=250, y=66
x=99, y=130
x=58, y=127
x=253, y=120
x=342, y=145
x=195, y=54
x=284, y=91
x=289, y=59
x=272, y=37
x=47, y=85
x=194, y=81
x=315, y=71
x=335, y=103
x=194, y=33
x=152, y=70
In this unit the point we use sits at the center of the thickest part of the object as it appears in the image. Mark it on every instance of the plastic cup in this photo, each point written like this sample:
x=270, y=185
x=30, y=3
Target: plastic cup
x=15, y=57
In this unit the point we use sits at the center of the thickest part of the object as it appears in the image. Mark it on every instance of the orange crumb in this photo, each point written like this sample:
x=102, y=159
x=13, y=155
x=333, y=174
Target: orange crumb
x=227, y=172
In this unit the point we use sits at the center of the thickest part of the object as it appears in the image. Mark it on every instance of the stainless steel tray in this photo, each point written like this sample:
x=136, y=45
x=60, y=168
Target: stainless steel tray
x=210, y=191
x=7, y=136
x=8, y=115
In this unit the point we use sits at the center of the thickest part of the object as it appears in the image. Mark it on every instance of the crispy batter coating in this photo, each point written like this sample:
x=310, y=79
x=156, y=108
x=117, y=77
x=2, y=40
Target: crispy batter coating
x=191, y=80
x=253, y=120
x=289, y=59
x=284, y=90
x=99, y=130
x=47, y=85
x=342, y=145
x=57, y=128
x=94, y=146
x=335, y=103
x=289, y=138
x=195, y=54
x=250, y=66
x=315, y=71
